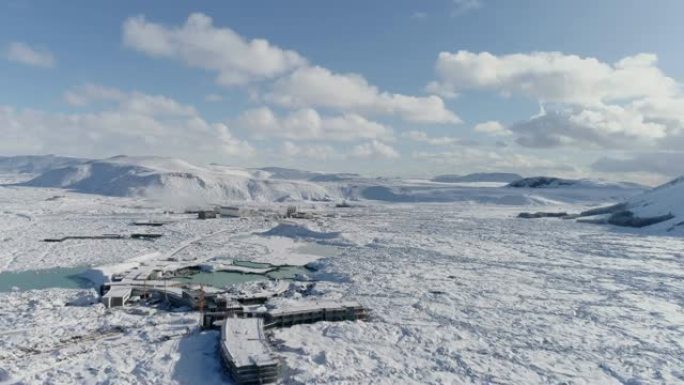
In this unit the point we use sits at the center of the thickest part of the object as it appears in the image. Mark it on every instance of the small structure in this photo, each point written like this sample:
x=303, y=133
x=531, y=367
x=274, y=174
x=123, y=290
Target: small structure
x=315, y=312
x=293, y=212
x=149, y=223
x=103, y=236
x=206, y=214
x=243, y=345
x=117, y=296
x=229, y=211
x=246, y=352
x=146, y=236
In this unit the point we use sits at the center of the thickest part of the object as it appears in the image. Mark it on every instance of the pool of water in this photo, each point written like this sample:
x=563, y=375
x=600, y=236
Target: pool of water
x=221, y=278
x=282, y=272
x=68, y=277
x=60, y=277
x=225, y=278
x=255, y=265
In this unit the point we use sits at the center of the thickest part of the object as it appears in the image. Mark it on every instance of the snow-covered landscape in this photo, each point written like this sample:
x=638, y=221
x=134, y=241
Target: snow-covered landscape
x=458, y=288
x=435, y=192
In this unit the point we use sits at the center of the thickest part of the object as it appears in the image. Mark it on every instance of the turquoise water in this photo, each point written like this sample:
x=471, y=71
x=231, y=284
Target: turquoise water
x=221, y=278
x=283, y=272
x=68, y=277
x=255, y=265
x=225, y=278
x=61, y=277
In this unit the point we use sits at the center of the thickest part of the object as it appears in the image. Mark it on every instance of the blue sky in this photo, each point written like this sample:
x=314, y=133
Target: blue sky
x=574, y=88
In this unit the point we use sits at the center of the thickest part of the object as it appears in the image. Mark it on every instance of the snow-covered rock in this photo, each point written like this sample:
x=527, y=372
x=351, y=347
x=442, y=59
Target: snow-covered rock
x=543, y=182
x=300, y=232
x=664, y=204
x=553, y=182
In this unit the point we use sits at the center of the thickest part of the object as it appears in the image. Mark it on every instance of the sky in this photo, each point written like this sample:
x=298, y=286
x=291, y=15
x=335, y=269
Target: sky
x=403, y=88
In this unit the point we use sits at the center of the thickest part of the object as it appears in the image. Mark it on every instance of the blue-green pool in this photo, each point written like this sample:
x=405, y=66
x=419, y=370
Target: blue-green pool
x=61, y=277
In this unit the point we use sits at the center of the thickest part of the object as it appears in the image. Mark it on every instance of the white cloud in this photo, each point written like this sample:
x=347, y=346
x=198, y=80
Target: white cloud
x=607, y=126
x=308, y=151
x=461, y=7
x=238, y=61
x=213, y=98
x=89, y=93
x=492, y=128
x=419, y=15
x=421, y=136
x=308, y=124
x=319, y=87
x=374, y=149
x=627, y=104
x=136, y=124
x=198, y=43
x=668, y=164
x=23, y=53
x=129, y=102
x=553, y=76
x=469, y=158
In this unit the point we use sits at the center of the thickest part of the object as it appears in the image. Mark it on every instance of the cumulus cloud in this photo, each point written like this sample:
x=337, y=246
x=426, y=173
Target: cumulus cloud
x=213, y=98
x=461, y=7
x=470, y=158
x=33, y=56
x=628, y=104
x=320, y=87
x=492, y=128
x=607, y=126
x=308, y=124
x=198, y=43
x=375, y=150
x=137, y=124
x=663, y=163
x=308, y=151
x=421, y=136
x=554, y=76
x=89, y=93
x=239, y=61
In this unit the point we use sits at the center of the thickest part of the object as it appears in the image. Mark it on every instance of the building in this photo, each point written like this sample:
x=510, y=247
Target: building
x=246, y=352
x=206, y=214
x=229, y=211
x=315, y=312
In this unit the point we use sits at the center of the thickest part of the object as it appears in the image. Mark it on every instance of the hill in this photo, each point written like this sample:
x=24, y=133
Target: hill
x=175, y=179
x=502, y=177
x=35, y=164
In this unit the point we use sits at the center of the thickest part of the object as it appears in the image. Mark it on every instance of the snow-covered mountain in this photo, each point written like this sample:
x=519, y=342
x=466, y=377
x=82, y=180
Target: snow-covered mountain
x=661, y=208
x=314, y=176
x=178, y=183
x=175, y=179
x=664, y=204
x=541, y=182
x=35, y=164
x=503, y=177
